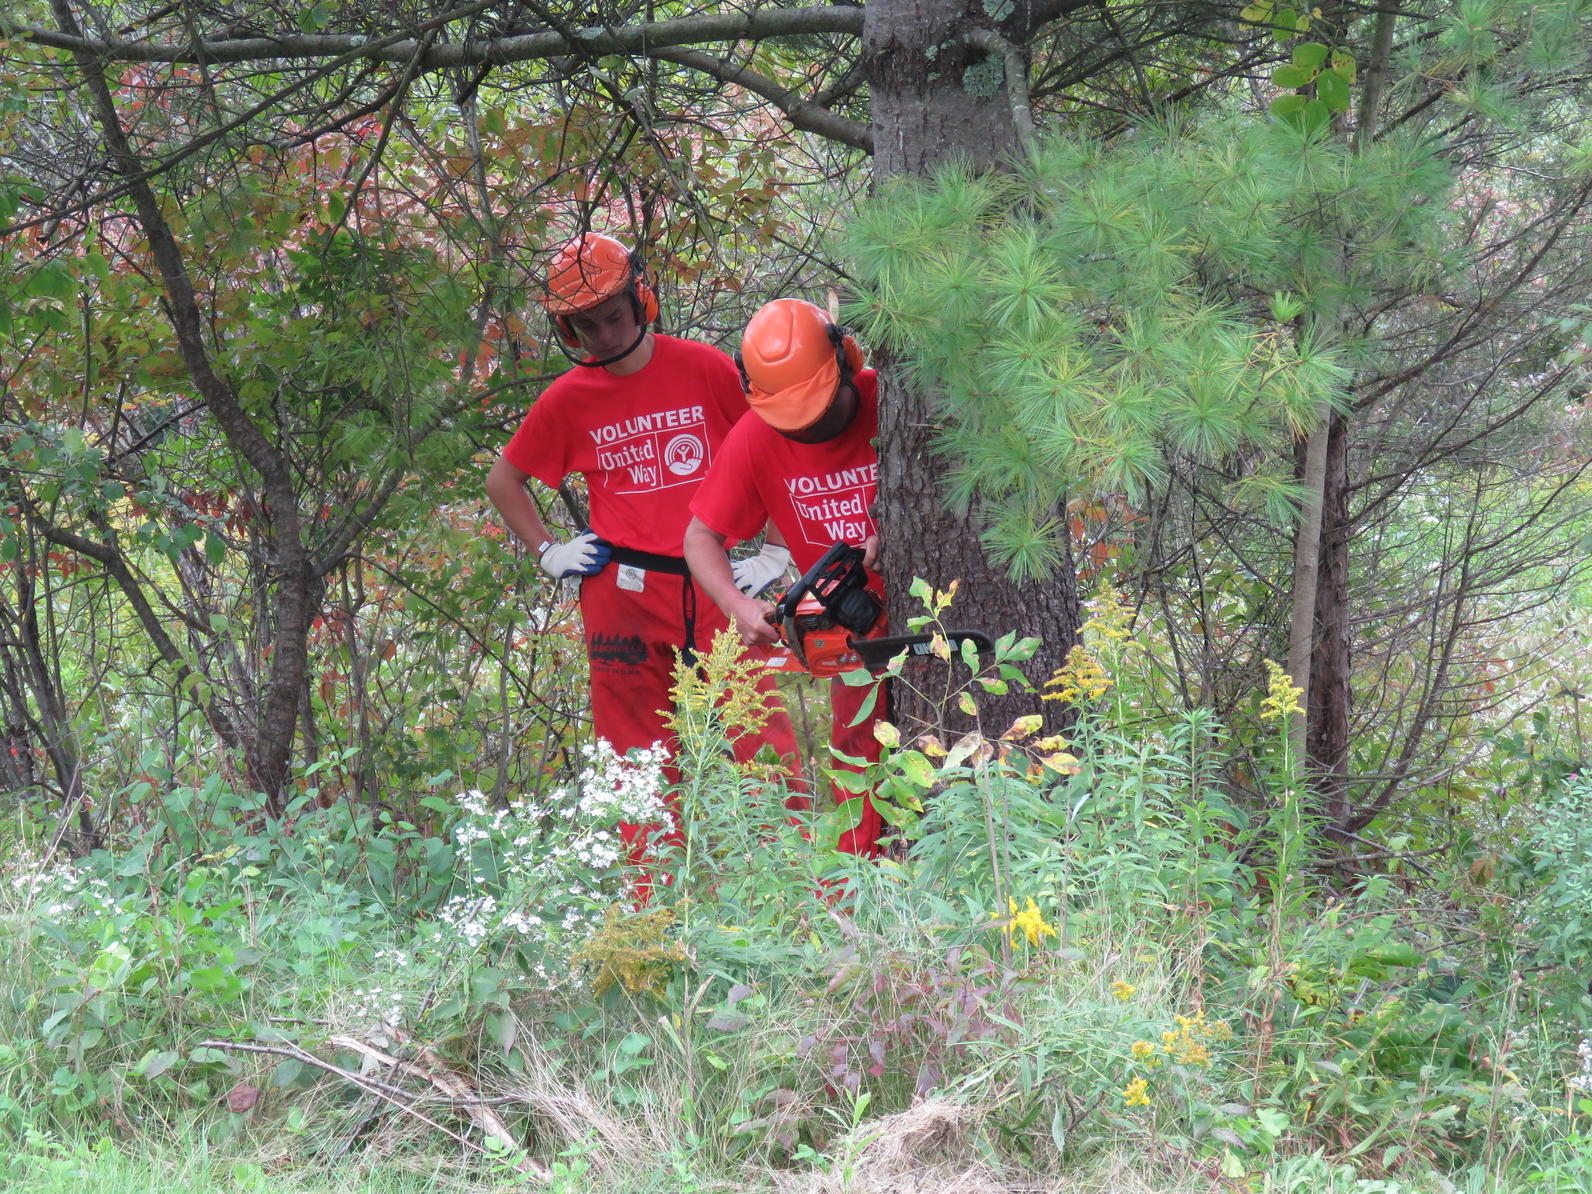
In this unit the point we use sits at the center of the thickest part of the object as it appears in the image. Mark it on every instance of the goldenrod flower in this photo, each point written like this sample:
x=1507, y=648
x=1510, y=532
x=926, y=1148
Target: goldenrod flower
x=1282, y=697
x=1123, y=991
x=1186, y=1045
x=1080, y=678
x=1143, y=1050
x=1136, y=1094
x=1109, y=616
x=1030, y=922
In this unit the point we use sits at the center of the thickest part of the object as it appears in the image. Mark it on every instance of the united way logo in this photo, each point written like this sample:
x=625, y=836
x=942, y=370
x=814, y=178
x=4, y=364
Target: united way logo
x=682, y=455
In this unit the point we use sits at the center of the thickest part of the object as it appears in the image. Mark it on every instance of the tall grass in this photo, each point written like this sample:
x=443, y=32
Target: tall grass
x=1103, y=967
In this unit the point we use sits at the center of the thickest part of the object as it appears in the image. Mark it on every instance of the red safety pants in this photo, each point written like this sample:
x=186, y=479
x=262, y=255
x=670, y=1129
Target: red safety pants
x=631, y=640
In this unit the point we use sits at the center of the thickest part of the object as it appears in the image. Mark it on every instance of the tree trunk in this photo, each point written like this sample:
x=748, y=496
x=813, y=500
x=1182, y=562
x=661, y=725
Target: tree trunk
x=1327, y=684
x=936, y=96
x=1327, y=711
x=269, y=744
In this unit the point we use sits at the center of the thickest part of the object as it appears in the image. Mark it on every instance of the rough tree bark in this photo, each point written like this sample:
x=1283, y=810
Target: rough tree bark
x=935, y=96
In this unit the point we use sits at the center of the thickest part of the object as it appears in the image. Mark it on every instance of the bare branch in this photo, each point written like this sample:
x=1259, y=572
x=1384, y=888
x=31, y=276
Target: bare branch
x=644, y=39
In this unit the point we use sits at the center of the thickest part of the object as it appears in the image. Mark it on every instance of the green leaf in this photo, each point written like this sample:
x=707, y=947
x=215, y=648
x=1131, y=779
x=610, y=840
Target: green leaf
x=1310, y=54
x=1288, y=105
x=315, y=17
x=156, y=1062
x=1314, y=116
x=215, y=548
x=634, y=1043
x=848, y=781
x=1292, y=76
x=52, y=281
x=916, y=767
x=1333, y=90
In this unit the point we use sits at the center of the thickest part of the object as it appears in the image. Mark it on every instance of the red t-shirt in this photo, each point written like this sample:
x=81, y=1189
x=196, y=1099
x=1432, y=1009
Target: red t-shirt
x=643, y=441
x=816, y=494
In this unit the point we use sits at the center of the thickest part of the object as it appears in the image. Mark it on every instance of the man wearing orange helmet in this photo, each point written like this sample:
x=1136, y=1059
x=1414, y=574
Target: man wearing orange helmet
x=806, y=460
x=641, y=418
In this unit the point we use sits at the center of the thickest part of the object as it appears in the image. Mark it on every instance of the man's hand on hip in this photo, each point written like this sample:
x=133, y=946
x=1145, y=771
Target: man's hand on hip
x=583, y=555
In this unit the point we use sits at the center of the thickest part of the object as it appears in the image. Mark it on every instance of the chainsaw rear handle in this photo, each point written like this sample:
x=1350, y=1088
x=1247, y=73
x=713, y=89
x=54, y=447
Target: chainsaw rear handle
x=838, y=582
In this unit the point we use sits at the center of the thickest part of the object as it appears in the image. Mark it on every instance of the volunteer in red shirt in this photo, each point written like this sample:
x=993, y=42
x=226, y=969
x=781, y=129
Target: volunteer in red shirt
x=805, y=460
x=641, y=418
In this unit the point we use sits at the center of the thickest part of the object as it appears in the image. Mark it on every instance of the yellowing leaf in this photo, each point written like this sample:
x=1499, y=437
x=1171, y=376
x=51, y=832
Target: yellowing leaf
x=1024, y=726
x=886, y=734
x=965, y=746
x=916, y=768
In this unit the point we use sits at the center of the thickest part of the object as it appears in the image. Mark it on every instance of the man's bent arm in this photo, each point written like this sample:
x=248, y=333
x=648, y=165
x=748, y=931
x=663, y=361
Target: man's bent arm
x=710, y=567
x=505, y=488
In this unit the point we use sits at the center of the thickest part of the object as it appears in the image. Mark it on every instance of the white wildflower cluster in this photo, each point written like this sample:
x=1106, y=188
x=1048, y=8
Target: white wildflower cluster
x=376, y=1006
x=615, y=788
x=538, y=875
x=473, y=917
x=59, y=889
x=1583, y=1080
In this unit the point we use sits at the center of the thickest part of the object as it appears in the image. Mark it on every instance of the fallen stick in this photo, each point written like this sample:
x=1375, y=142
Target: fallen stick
x=386, y=1092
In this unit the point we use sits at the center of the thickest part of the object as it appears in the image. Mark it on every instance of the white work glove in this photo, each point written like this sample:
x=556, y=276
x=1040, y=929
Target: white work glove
x=583, y=555
x=755, y=573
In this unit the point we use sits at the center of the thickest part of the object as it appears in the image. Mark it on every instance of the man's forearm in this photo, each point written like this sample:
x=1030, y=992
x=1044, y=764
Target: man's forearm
x=710, y=565
x=710, y=568
x=505, y=488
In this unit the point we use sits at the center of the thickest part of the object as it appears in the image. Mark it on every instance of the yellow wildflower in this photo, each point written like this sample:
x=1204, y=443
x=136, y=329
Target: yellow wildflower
x=1136, y=1094
x=1187, y=1044
x=1123, y=991
x=1030, y=922
x=1080, y=678
x=1282, y=697
x=633, y=951
x=1110, y=617
x=1143, y=1050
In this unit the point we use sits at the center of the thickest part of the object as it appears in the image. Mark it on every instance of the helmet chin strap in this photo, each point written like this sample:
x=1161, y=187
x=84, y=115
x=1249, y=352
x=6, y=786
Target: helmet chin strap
x=618, y=356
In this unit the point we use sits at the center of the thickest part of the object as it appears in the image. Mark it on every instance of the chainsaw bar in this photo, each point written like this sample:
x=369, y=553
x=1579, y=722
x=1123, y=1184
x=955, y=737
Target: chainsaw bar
x=876, y=653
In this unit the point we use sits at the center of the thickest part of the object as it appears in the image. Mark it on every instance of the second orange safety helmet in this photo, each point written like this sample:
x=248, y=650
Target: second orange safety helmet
x=792, y=361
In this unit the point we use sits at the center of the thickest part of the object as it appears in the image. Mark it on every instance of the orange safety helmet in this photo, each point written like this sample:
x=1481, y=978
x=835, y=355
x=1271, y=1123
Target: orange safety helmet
x=589, y=270
x=793, y=361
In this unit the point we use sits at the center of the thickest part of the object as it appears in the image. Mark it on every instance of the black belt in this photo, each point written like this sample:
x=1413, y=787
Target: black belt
x=651, y=561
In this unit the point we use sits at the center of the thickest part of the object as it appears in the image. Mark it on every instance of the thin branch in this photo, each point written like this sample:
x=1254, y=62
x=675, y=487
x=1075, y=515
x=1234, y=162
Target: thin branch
x=645, y=39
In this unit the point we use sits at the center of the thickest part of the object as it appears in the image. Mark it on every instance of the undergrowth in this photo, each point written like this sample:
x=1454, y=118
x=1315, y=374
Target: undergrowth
x=1092, y=962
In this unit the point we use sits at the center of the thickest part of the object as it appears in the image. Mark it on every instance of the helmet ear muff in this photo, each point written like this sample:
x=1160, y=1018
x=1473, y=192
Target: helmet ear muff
x=852, y=362
x=646, y=301
x=566, y=331
x=848, y=357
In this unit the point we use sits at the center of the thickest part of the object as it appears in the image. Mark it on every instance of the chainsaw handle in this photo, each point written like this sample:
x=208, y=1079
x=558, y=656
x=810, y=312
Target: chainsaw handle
x=785, y=607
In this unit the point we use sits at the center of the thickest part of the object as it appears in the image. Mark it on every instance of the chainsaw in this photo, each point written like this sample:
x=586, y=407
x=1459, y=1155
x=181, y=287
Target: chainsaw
x=831, y=622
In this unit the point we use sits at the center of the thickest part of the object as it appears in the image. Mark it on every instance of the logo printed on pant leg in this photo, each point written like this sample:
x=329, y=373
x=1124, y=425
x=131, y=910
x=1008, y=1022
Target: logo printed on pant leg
x=617, y=649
